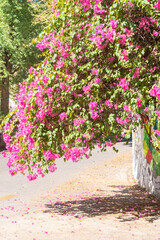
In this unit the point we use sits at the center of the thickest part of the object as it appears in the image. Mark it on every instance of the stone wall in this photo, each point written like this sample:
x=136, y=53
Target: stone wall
x=145, y=168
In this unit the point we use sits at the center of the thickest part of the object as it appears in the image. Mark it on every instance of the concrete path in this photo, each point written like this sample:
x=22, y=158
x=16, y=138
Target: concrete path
x=20, y=186
x=93, y=199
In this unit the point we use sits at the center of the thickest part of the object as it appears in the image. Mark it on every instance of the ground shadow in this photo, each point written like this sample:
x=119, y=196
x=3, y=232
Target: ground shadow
x=130, y=202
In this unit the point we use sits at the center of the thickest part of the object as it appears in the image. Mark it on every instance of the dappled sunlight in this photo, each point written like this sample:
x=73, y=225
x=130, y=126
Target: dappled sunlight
x=128, y=203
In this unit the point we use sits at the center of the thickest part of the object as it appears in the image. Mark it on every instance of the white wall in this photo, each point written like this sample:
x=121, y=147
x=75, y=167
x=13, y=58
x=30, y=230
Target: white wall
x=141, y=168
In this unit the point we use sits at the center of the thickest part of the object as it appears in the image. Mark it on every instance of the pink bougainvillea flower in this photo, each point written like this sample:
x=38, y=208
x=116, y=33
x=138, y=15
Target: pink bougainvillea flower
x=32, y=177
x=124, y=84
x=124, y=55
x=93, y=105
x=98, y=10
x=138, y=46
x=49, y=156
x=158, y=113
x=86, y=4
x=63, y=146
x=94, y=71
x=111, y=59
x=52, y=168
x=62, y=86
x=4, y=154
x=122, y=38
x=60, y=63
x=128, y=32
x=94, y=114
x=97, y=80
x=157, y=132
x=70, y=101
x=136, y=74
x=49, y=92
x=53, y=9
x=63, y=116
x=146, y=109
x=143, y=22
x=155, y=92
x=74, y=59
x=113, y=23
x=108, y=143
x=157, y=5
x=30, y=70
x=126, y=108
x=116, y=106
x=45, y=79
x=87, y=88
x=155, y=33
x=79, y=121
x=121, y=121
x=139, y=104
x=108, y=103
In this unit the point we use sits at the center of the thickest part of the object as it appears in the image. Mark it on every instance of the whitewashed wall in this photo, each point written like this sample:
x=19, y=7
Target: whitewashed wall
x=141, y=168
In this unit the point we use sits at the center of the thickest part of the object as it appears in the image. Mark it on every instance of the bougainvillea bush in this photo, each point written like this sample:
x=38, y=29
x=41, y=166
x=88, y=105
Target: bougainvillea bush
x=99, y=79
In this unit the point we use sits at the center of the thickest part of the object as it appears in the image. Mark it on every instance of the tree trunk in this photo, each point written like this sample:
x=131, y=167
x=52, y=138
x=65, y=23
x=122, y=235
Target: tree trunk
x=4, y=106
x=5, y=96
x=5, y=88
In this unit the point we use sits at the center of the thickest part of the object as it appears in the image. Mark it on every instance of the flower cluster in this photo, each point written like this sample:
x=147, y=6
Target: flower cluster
x=155, y=92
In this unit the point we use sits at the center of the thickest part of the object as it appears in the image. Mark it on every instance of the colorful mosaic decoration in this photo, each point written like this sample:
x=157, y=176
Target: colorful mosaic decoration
x=151, y=154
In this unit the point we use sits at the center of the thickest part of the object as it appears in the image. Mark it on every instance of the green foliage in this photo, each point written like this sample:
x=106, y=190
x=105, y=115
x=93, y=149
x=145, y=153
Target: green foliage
x=17, y=28
x=100, y=63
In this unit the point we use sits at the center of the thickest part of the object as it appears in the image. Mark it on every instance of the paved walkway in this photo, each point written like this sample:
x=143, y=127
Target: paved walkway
x=103, y=202
x=25, y=190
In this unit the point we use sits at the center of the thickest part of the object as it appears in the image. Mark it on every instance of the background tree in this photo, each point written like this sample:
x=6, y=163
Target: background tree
x=17, y=28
